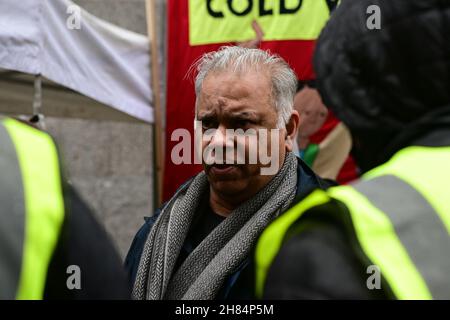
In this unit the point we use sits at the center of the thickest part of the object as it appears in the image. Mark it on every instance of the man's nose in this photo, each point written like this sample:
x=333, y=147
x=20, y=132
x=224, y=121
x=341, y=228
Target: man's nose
x=221, y=138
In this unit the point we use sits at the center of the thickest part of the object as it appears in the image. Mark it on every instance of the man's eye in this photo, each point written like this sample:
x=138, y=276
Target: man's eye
x=242, y=123
x=208, y=124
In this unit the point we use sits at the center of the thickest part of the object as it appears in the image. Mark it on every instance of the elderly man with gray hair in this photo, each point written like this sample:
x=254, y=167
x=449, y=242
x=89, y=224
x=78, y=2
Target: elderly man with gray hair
x=198, y=245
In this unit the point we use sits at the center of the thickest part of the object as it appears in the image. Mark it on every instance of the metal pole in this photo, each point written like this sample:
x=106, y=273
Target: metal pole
x=38, y=117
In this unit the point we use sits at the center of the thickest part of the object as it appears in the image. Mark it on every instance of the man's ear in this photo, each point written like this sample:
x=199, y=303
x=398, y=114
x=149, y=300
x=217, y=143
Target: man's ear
x=291, y=130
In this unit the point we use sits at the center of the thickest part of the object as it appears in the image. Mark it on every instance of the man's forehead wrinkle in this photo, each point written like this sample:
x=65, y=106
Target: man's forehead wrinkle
x=239, y=113
x=230, y=95
x=229, y=82
x=216, y=103
x=226, y=99
x=207, y=113
x=221, y=102
x=232, y=91
x=233, y=108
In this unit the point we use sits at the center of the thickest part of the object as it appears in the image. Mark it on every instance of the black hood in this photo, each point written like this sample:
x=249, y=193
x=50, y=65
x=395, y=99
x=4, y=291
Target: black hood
x=390, y=85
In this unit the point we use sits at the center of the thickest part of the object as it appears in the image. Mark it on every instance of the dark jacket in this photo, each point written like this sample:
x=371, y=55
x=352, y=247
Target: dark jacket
x=240, y=284
x=84, y=243
x=391, y=88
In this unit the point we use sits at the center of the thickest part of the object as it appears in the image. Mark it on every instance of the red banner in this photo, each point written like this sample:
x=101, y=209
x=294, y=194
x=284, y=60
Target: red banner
x=180, y=88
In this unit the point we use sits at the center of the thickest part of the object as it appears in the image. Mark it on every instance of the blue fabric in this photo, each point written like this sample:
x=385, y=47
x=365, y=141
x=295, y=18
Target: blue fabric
x=307, y=181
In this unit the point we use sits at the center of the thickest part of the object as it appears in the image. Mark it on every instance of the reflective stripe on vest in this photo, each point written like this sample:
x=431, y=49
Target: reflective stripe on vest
x=402, y=234
x=403, y=231
x=272, y=238
x=42, y=200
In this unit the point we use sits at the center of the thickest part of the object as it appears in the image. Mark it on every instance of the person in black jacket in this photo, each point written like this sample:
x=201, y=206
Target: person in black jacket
x=390, y=86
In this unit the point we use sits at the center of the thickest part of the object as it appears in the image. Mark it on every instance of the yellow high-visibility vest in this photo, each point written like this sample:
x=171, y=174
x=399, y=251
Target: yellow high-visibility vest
x=32, y=210
x=399, y=216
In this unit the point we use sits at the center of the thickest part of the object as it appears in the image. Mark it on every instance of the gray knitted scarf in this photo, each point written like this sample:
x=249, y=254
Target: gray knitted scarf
x=202, y=274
